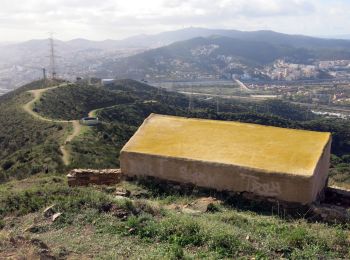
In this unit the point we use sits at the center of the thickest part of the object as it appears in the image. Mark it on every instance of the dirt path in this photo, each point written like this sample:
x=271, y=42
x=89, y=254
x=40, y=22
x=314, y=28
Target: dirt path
x=92, y=113
x=76, y=131
x=28, y=107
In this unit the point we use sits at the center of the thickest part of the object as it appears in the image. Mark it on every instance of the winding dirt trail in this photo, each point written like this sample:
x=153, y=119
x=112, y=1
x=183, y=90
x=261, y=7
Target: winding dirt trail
x=28, y=107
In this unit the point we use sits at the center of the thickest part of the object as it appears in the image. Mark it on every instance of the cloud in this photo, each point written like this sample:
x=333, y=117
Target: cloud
x=119, y=18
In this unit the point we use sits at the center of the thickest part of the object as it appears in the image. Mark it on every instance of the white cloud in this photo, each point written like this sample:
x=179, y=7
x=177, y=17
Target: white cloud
x=25, y=19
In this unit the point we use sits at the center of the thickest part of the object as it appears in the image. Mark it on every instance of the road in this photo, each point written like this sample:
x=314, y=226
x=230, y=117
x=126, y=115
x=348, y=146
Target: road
x=242, y=85
x=324, y=107
x=28, y=107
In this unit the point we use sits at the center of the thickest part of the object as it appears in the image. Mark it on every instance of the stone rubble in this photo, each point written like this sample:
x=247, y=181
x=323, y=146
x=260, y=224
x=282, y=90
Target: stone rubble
x=85, y=177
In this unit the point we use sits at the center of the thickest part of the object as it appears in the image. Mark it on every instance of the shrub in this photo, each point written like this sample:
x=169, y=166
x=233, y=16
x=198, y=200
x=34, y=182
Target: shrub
x=176, y=252
x=182, y=231
x=225, y=244
x=2, y=224
x=298, y=237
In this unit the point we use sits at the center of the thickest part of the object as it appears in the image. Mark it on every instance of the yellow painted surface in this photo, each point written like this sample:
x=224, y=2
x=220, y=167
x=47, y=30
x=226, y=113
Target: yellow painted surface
x=270, y=149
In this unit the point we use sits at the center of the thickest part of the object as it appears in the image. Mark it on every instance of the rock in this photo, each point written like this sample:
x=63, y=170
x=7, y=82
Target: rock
x=204, y=204
x=120, y=197
x=63, y=253
x=38, y=243
x=191, y=211
x=56, y=216
x=331, y=213
x=49, y=211
x=174, y=207
x=122, y=192
x=35, y=229
x=18, y=240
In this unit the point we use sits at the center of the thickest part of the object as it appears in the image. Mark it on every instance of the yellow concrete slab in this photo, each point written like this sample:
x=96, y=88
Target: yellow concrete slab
x=268, y=149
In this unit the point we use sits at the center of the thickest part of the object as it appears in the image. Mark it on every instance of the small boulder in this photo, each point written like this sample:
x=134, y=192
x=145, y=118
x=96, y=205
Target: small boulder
x=122, y=192
x=38, y=243
x=204, y=204
x=56, y=216
x=118, y=197
x=49, y=211
x=191, y=211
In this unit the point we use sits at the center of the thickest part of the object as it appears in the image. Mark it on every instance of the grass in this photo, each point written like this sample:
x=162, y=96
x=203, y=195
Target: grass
x=143, y=227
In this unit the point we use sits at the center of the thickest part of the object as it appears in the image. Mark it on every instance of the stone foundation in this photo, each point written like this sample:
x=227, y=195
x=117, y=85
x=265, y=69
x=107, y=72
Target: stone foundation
x=85, y=177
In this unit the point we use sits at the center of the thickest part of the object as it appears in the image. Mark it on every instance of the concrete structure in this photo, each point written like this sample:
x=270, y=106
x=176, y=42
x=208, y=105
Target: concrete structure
x=285, y=164
x=89, y=121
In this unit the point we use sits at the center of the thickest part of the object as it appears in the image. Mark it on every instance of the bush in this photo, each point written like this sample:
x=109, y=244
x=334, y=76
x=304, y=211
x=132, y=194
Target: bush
x=182, y=231
x=298, y=237
x=7, y=165
x=176, y=252
x=225, y=244
x=2, y=224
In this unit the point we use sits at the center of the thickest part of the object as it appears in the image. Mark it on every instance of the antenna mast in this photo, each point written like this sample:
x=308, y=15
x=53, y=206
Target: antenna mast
x=52, y=57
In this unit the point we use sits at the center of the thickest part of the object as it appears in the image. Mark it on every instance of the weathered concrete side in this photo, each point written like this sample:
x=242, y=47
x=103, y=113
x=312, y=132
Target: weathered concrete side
x=320, y=175
x=222, y=177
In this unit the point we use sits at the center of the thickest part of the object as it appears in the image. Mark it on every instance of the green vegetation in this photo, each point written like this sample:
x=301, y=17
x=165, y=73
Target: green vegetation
x=147, y=225
x=29, y=146
x=75, y=102
x=144, y=226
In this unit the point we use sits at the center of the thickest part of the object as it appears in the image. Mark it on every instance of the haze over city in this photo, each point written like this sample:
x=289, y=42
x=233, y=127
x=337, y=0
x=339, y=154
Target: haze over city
x=99, y=20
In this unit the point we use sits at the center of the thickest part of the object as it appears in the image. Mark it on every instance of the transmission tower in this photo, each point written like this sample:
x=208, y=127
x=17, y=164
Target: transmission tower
x=52, y=57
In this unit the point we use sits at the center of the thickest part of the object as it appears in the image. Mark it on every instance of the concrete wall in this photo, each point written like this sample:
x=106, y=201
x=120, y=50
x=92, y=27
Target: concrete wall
x=282, y=186
x=320, y=176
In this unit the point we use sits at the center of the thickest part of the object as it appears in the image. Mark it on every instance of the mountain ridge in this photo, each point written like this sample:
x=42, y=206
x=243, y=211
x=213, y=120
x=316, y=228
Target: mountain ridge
x=168, y=37
x=215, y=55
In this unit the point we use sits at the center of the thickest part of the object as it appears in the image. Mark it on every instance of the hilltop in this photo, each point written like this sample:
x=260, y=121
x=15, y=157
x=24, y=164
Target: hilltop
x=30, y=145
x=151, y=222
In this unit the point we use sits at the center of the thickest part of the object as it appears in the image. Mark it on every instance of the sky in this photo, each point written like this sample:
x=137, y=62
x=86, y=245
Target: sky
x=117, y=19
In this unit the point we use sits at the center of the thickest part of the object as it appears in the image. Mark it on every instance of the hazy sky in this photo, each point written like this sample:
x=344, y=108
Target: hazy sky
x=116, y=19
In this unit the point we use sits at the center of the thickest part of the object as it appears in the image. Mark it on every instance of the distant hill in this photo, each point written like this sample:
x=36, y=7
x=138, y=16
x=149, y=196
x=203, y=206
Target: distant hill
x=22, y=62
x=222, y=55
x=298, y=41
x=39, y=47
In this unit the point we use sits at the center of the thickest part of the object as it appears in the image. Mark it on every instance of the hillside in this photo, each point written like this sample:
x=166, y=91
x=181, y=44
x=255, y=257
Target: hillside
x=157, y=220
x=29, y=145
x=218, y=55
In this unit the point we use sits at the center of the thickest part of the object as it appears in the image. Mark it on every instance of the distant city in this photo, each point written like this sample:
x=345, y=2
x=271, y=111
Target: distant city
x=309, y=71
